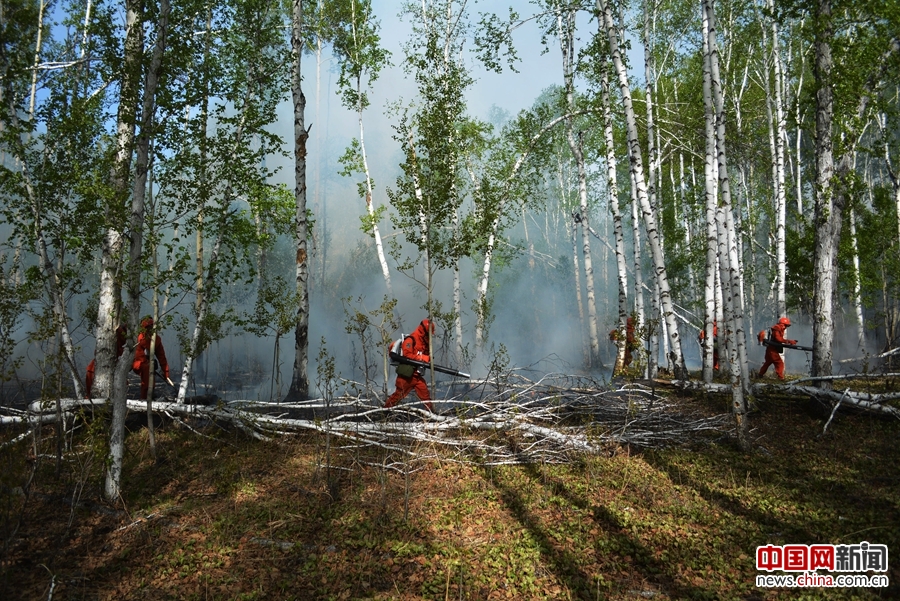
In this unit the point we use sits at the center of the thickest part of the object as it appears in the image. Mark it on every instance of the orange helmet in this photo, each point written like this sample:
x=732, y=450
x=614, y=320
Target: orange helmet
x=427, y=326
x=147, y=323
x=785, y=321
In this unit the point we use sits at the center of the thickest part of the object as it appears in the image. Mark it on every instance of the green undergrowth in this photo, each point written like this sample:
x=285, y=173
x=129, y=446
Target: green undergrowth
x=223, y=517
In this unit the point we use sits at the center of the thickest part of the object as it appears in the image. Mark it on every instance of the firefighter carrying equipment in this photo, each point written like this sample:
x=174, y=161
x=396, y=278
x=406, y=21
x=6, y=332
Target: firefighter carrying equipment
x=412, y=348
x=775, y=346
x=400, y=359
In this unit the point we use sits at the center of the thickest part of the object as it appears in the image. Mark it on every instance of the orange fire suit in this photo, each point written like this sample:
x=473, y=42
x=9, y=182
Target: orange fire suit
x=142, y=362
x=629, y=340
x=414, y=346
x=773, y=352
x=702, y=336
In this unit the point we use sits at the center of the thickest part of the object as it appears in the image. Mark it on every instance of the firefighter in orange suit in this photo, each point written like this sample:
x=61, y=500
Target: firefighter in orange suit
x=702, y=336
x=121, y=340
x=142, y=361
x=414, y=346
x=629, y=340
x=774, y=348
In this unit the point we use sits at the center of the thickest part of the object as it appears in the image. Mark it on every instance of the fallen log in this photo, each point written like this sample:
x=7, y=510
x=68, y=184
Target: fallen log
x=861, y=400
x=864, y=401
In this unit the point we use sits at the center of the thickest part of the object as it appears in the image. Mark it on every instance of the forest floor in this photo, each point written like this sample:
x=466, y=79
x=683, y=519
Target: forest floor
x=221, y=516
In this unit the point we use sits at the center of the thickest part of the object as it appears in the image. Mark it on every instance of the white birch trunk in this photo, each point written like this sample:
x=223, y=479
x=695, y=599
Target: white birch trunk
x=733, y=322
x=136, y=226
x=857, y=292
x=798, y=136
x=457, y=312
x=650, y=220
x=187, y=371
x=52, y=281
x=136, y=237
x=481, y=292
x=110, y=372
x=826, y=223
x=734, y=292
x=613, y=194
x=576, y=265
x=710, y=176
x=777, y=143
x=655, y=321
x=565, y=30
x=299, y=388
x=37, y=60
x=641, y=317
x=379, y=247
x=780, y=196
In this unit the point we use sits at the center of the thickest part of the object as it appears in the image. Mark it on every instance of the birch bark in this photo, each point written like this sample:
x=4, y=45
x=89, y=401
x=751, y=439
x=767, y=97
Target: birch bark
x=299, y=389
x=481, y=303
x=733, y=304
x=613, y=195
x=187, y=371
x=734, y=293
x=110, y=380
x=649, y=215
x=565, y=23
x=653, y=338
x=52, y=281
x=640, y=315
x=710, y=177
x=857, y=291
x=359, y=65
x=136, y=241
x=110, y=372
x=827, y=214
x=780, y=146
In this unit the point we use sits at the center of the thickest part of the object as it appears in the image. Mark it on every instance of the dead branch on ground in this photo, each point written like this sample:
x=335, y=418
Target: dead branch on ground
x=509, y=419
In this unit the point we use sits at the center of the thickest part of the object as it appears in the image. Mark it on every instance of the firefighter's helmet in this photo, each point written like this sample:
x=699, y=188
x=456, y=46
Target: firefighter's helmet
x=785, y=321
x=427, y=326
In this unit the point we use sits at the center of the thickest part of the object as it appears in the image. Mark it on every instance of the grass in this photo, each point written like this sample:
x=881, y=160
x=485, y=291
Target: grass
x=228, y=518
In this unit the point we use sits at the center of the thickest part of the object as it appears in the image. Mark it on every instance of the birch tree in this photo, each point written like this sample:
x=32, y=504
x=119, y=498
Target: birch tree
x=356, y=44
x=110, y=378
x=778, y=126
x=730, y=274
x=50, y=141
x=299, y=389
x=649, y=215
x=428, y=194
x=711, y=177
x=618, y=233
x=565, y=31
x=831, y=185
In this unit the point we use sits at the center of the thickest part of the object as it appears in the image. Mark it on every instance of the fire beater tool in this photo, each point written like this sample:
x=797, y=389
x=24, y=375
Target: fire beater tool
x=796, y=347
x=396, y=357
